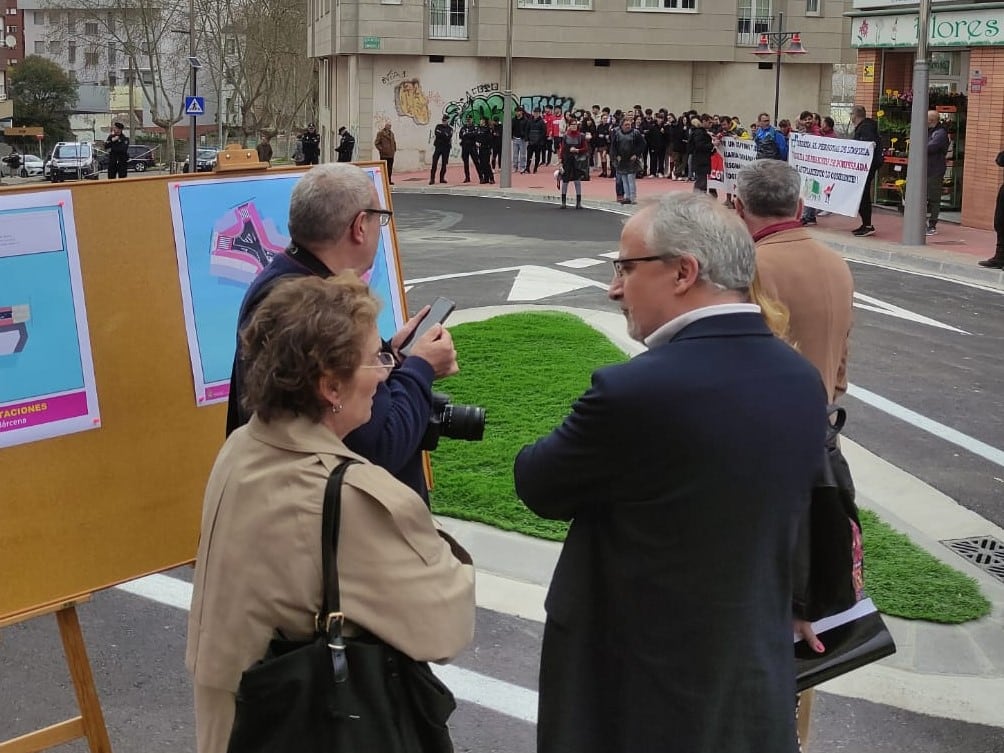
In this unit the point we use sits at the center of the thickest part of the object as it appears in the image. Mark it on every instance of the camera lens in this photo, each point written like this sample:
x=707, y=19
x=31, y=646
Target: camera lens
x=463, y=422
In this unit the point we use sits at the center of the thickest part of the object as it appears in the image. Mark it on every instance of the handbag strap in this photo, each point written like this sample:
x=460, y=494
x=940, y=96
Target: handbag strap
x=330, y=615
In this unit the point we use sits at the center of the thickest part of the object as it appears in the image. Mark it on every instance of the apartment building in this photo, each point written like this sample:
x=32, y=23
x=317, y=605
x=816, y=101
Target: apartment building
x=13, y=51
x=79, y=40
x=412, y=61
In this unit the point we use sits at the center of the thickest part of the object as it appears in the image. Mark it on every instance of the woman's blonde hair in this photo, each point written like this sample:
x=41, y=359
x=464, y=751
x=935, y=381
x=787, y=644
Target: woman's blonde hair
x=774, y=312
x=305, y=327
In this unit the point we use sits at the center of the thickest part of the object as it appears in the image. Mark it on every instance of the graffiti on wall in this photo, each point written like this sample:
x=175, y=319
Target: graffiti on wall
x=488, y=102
x=410, y=101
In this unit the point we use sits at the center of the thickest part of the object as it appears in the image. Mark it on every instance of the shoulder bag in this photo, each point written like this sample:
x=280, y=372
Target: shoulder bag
x=829, y=584
x=339, y=694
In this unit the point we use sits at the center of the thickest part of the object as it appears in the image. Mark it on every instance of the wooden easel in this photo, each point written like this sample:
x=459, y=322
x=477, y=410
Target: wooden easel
x=91, y=723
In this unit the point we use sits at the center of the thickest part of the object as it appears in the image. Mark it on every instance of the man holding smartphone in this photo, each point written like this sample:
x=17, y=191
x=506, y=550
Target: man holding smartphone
x=335, y=223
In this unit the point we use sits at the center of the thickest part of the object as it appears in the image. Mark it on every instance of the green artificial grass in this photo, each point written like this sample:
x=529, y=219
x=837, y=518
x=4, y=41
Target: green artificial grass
x=905, y=581
x=528, y=369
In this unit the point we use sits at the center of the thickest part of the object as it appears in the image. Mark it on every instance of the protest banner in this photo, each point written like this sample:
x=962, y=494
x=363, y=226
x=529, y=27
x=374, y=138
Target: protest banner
x=833, y=171
x=731, y=156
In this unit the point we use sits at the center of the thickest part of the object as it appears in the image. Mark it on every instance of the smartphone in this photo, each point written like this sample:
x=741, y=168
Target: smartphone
x=438, y=313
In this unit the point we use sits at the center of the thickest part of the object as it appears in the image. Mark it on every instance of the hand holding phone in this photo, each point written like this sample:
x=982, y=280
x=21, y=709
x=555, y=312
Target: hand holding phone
x=438, y=313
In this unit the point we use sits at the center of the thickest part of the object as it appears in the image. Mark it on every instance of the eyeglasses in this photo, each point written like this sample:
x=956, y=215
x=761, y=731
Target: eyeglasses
x=623, y=266
x=386, y=361
x=385, y=215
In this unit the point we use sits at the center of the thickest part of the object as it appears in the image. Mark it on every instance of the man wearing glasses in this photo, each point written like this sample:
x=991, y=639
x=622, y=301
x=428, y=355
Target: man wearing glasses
x=335, y=223
x=684, y=473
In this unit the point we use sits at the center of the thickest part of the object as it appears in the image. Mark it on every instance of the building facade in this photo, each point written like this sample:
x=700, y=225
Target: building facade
x=966, y=44
x=409, y=62
x=13, y=52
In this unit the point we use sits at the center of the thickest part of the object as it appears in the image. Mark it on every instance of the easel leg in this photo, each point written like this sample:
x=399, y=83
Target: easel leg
x=83, y=681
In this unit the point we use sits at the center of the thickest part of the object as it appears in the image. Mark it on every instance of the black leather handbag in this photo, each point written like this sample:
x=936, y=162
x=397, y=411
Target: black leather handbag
x=336, y=694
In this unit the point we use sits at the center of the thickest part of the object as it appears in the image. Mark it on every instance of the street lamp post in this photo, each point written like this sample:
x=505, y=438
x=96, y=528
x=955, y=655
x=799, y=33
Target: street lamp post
x=778, y=44
x=195, y=63
x=915, y=203
x=505, y=179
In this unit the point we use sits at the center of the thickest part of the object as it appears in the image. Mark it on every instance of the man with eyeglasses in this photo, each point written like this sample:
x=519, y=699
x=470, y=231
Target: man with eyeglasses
x=335, y=223
x=684, y=473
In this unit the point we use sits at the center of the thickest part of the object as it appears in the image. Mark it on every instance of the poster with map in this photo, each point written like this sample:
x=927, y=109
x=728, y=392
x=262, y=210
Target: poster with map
x=47, y=386
x=226, y=231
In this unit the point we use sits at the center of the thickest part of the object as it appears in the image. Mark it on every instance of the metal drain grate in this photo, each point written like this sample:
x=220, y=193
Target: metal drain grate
x=986, y=552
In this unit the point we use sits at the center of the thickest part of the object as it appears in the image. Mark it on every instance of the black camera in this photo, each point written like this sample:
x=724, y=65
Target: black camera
x=453, y=421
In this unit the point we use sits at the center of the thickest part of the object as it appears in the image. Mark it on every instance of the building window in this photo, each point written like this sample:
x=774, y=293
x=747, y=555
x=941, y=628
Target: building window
x=689, y=6
x=55, y=47
x=111, y=53
x=71, y=52
x=113, y=80
x=39, y=47
x=447, y=19
x=753, y=18
x=12, y=30
x=812, y=7
x=230, y=46
x=557, y=4
x=91, y=28
x=90, y=59
x=12, y=11
x=71, y=23
x=39, y=17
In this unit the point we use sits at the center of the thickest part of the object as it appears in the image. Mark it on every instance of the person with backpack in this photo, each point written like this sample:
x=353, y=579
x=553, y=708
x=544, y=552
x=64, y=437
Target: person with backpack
x=770, y=142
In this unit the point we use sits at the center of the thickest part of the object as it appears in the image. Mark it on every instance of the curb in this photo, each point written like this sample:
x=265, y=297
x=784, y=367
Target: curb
x=887, y=254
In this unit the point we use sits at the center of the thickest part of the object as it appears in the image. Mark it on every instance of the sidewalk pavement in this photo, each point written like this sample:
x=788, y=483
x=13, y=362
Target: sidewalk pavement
x=948, y=671
x=953, y=252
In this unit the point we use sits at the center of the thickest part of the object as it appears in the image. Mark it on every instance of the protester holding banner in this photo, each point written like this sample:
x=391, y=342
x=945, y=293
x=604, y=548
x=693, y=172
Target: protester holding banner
x=770, y=142
x=701, y=148
x=937, y=150
x=866, y=129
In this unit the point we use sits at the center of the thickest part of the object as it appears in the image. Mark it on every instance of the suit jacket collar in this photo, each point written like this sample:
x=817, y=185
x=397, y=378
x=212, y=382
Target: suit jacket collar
x=302, y=435
x=725, y=325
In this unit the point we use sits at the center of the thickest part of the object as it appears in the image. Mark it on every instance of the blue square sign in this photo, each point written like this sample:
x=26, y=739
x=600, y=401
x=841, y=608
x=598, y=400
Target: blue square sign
x=195, y=106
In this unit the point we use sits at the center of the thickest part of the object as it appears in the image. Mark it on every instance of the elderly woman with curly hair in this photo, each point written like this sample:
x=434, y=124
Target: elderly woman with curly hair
x=314, y=360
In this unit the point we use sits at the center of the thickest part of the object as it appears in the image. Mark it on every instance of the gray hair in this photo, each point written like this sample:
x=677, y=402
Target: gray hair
x=858, y=111
x=691, y=223
x=769, y=188
x=326, y=200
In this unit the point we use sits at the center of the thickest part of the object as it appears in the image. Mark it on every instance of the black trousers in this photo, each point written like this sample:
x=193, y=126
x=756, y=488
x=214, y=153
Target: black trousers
x=657, y=161
x=390, y=169
x=440, y=153
x=534, y=152
x=467, y=154
x=118, y=165
x=865, y=208
x=485, y=164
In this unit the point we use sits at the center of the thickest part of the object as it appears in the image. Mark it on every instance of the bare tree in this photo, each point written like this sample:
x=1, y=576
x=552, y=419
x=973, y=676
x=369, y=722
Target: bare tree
x=257, y=50
x=144, y=33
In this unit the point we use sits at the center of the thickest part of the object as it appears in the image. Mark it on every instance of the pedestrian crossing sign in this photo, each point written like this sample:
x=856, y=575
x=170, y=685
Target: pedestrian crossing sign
x=195, y=106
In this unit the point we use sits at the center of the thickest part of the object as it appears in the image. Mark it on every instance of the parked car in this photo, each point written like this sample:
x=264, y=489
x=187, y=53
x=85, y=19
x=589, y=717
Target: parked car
x=31, y=165
x=205, y=161
x=72, y=160
x=141, y=158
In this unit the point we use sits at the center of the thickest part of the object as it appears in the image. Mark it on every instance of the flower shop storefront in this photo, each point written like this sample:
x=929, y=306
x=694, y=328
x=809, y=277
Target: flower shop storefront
x=966, y=88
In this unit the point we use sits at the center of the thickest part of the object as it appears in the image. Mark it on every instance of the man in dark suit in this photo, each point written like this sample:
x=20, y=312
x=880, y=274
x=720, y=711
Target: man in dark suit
x=684, y=473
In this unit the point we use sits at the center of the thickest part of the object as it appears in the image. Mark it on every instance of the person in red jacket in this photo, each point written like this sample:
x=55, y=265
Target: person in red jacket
x=574, y=161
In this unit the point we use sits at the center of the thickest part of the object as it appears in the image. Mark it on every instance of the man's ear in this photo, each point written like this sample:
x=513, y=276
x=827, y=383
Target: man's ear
x=687, y=273
x=798, y=211
x=740, y=207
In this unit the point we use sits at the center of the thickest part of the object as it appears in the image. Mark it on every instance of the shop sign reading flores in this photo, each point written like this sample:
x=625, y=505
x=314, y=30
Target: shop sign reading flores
x=976, y=28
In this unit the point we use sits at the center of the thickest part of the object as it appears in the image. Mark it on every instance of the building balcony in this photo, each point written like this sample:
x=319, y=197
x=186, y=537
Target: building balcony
x=448, y=19
x=749, y=29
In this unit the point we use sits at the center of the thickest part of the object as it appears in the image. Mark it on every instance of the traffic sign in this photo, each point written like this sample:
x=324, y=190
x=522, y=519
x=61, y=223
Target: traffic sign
x=195, y=106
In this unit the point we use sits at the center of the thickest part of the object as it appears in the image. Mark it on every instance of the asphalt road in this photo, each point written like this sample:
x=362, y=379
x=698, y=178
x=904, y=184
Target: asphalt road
x=541, y=254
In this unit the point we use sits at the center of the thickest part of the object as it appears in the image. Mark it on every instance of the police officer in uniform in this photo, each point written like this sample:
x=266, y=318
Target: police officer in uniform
x=484, y=142
x=469, y=147
x=346, y=145
x=442, y=141
x=311, y=145
x=117, y=146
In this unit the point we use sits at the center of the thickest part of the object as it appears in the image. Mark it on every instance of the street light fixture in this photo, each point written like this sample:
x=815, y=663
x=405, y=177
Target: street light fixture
x=778, y=44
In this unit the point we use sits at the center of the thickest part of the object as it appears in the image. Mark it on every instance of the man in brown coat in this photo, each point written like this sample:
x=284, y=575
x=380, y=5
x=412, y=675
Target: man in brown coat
x=811, y=280
x=386, y=146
